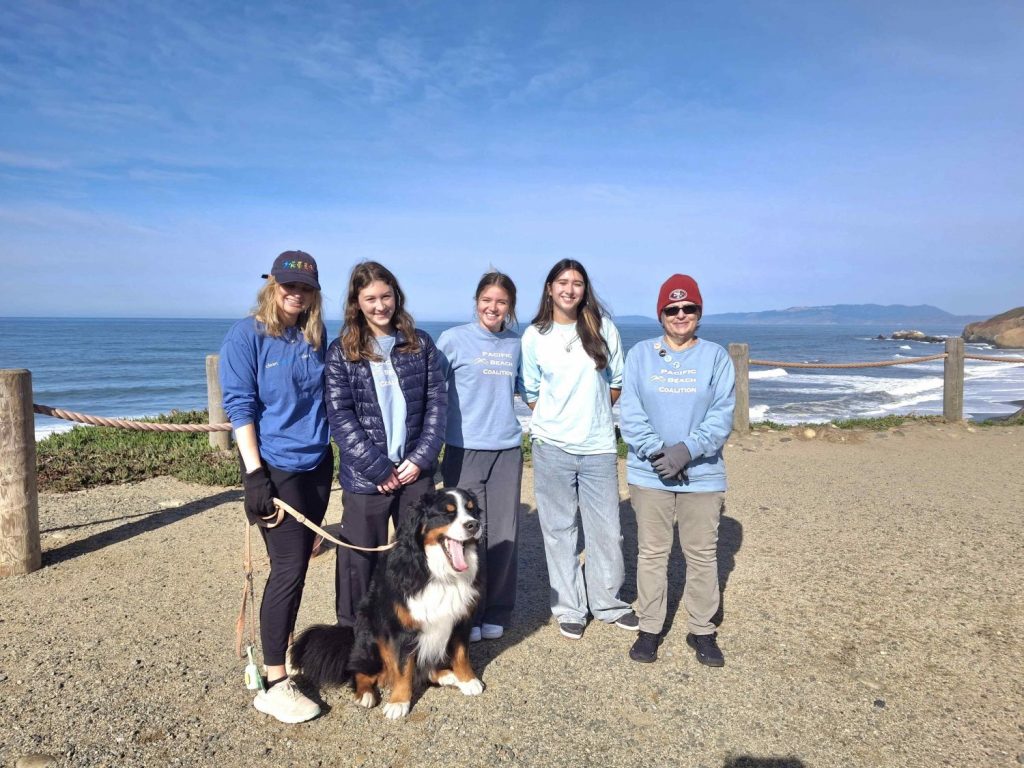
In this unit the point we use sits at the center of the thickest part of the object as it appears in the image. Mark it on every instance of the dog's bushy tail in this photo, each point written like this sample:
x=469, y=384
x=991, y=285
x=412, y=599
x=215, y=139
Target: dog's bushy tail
x=322, y=653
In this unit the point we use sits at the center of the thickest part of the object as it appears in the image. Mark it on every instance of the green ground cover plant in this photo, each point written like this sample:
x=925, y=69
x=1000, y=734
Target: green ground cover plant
x=89, y=456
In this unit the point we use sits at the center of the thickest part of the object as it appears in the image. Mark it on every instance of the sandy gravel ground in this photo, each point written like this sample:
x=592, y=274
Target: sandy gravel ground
x=873, y=617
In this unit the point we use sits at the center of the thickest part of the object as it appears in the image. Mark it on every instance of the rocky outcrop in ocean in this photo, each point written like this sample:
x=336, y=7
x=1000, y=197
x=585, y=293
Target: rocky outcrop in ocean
x=1005, y=331
x=917, y=336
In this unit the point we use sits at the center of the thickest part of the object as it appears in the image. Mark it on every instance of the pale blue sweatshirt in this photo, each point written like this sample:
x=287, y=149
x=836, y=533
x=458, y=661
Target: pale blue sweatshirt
x=677, y=397
x=393, y=408
x=573, y=407
x=482, y=370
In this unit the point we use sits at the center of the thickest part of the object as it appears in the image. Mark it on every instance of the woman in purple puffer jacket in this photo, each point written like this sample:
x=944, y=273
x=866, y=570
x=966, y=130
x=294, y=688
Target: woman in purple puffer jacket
x=386, y=405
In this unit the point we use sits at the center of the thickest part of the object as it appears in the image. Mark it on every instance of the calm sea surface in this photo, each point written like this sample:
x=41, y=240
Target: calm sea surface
x=133, y=368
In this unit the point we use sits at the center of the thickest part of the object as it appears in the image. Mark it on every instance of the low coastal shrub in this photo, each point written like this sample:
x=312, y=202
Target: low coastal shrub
x=89, y=456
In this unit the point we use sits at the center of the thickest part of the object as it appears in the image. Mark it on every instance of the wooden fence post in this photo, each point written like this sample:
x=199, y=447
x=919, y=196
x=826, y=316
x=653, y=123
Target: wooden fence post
x=215, y=403
x=953, y=385
x=19, y=498
x=740, y=354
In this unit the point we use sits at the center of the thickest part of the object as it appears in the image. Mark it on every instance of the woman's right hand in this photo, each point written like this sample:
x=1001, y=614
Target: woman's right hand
x=259, y=497
x=391, y=484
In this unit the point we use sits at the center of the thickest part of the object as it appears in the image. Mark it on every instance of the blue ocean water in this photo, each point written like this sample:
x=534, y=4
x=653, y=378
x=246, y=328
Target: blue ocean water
x=132, y=367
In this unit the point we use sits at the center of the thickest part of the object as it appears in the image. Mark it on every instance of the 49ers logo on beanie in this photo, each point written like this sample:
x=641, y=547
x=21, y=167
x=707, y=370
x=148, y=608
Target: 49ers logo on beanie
x=679, y=288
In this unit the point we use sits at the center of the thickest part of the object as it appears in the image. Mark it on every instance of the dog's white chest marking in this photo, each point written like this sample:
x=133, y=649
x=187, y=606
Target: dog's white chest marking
x=441, y=605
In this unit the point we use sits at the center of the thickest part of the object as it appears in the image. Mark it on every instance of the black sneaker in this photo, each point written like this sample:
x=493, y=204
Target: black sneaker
x=707, y=649
x=645, y=649
x=571, y=629
x=628, y=621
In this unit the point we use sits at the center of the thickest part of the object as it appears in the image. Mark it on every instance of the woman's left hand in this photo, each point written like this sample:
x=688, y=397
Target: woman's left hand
x=408, y=472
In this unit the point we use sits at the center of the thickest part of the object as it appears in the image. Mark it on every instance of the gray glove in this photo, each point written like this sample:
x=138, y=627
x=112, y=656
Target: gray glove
x=672, y=461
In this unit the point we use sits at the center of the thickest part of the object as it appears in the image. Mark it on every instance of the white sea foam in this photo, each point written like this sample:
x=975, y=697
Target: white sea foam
x=905, y=346
x=771, y=373
x=758, y=413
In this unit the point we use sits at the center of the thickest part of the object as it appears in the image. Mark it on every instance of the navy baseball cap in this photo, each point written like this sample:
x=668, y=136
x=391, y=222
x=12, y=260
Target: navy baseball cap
x=295, y=267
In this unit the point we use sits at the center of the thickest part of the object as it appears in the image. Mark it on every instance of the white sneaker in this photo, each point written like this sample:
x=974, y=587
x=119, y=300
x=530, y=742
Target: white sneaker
x=287, y=703
x=474, y=635
x=491, y=631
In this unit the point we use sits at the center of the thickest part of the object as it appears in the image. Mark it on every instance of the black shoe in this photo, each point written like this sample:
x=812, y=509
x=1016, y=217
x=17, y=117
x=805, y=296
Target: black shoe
x=571, y=629
x=628, y=621
x=707, y=649
x=645, y=649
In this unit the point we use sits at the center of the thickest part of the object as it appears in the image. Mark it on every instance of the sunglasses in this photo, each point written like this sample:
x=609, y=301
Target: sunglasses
x=686, y=309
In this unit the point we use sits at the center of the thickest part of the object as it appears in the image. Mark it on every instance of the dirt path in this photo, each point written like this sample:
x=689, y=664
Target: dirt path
x=873, y=617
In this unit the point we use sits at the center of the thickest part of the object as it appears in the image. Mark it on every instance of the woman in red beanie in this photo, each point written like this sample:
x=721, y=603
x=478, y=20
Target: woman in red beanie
x=675, y=415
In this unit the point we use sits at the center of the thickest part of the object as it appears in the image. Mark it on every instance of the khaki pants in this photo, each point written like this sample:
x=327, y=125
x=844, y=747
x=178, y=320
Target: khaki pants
x=697, y=515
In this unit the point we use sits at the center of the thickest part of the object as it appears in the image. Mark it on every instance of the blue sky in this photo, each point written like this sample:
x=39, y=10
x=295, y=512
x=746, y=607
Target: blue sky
x=155, y=157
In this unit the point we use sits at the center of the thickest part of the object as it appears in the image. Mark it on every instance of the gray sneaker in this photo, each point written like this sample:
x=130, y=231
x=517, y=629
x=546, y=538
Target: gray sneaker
x=571, y=629
x=287, y=703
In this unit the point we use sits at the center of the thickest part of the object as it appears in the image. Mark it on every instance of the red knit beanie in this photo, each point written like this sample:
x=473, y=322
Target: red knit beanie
x=679, y=288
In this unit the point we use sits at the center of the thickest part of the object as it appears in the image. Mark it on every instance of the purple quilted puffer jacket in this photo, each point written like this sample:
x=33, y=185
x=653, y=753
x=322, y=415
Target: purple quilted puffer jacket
x=357, y=425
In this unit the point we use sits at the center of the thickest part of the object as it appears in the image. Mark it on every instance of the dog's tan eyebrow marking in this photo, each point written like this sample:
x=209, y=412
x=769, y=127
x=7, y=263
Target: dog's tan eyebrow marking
x=449, y=507
x=469, y=504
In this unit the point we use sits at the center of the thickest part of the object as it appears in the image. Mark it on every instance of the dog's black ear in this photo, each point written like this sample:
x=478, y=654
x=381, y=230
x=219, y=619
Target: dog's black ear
x=411, y=524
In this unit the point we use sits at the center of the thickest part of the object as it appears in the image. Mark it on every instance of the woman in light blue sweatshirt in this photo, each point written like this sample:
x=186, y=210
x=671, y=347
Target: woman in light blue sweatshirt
x=483, y=440
x=572, y=375
x=675, y=415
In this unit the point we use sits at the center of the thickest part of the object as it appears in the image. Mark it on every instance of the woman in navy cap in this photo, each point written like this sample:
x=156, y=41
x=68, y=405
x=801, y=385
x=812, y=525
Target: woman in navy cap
x=272, y=376
x=675, y=415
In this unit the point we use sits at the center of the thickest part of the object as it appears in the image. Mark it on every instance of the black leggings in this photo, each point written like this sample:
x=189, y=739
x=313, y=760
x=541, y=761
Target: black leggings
x=289, y=546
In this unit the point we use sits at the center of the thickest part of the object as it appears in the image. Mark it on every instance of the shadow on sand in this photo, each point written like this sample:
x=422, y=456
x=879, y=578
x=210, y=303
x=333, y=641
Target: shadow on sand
x=139, y=523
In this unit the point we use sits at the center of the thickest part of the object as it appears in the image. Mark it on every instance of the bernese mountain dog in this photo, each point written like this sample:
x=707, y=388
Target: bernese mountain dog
x=413, y=624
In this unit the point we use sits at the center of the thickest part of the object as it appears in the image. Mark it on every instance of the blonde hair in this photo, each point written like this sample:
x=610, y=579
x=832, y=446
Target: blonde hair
x=267, y=312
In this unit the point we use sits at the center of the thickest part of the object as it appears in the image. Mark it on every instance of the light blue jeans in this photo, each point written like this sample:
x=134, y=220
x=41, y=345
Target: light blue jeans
x=563, y=483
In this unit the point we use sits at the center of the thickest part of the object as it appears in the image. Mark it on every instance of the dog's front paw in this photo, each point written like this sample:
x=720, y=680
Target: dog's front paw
x=447, y=678
x=368, y=699
x=471, y=687
x=396, y=710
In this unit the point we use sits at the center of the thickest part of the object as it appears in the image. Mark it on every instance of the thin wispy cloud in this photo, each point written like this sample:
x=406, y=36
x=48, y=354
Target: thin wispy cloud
x=435, y=137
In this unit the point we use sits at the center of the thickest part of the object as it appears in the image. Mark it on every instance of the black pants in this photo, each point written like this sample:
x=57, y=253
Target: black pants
x=289, y=546
x=364, y=522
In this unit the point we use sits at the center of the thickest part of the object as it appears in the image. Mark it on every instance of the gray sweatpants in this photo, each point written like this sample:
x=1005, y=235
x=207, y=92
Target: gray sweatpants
x=496, y=478
x=697, y=515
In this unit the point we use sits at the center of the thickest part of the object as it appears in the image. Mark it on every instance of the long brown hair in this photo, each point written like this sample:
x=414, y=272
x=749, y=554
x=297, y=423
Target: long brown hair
x=356, y=337
x=588, y=318
x=310, y=322
x=503, y=281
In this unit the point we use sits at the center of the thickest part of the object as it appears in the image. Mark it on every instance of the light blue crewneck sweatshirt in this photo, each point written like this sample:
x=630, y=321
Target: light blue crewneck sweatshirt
x=393, y=407
x=573, y=403
x=677, y=397
x=483, y=371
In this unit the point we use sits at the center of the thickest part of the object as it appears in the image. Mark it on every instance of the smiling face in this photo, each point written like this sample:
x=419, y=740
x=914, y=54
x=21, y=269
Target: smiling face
x=377, y=303
x=492, y=307
x=292, y=300
x=680, y=328
x=566, y=292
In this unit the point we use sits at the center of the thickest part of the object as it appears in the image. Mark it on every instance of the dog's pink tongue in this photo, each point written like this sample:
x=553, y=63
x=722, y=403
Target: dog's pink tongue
x=458, y=556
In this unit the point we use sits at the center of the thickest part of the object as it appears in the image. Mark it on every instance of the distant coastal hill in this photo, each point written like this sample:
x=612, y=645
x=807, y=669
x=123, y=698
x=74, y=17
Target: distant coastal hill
x=892, y=315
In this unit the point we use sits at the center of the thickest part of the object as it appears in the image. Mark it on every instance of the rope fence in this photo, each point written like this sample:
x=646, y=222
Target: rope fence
x=141, y=426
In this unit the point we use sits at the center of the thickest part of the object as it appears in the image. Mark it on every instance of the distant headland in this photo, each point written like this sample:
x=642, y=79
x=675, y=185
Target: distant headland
x=893, y=315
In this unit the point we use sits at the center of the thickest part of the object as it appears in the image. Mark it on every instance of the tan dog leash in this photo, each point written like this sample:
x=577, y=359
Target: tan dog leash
x=248, y=593
x=283, y=507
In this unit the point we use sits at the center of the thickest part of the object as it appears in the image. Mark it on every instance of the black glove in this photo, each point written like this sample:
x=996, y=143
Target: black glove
x=672, y=460
x=259, y=498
